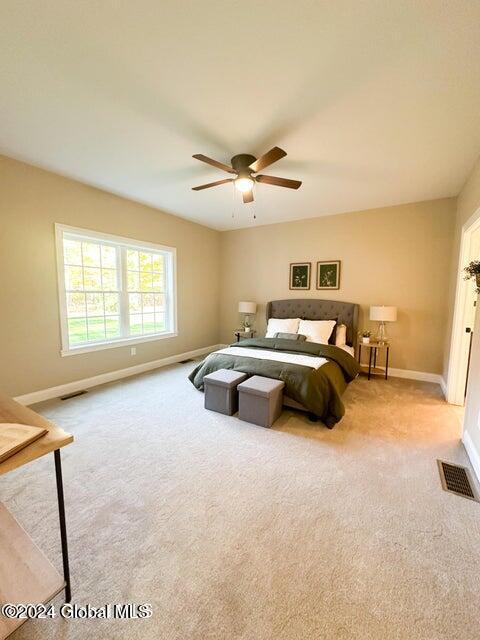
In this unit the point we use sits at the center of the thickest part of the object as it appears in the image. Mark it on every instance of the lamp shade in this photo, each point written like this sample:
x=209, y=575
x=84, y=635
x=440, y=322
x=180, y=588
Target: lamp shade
x=247, y=307
x=383, y=314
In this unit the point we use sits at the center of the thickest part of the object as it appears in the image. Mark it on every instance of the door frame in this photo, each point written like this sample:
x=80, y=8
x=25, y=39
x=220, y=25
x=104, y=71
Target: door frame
x=457, y=365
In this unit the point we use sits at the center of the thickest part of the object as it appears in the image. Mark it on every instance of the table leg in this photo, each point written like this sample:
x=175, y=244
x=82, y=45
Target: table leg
x=63, y=526
x=359, y=353
x=386, y=363
x=370, y=364
x=375, y=358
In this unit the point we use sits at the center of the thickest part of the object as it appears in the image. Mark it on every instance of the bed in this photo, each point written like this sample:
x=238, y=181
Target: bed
x=315, y=375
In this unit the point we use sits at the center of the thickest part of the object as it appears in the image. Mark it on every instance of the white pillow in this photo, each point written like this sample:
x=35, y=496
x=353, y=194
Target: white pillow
x=318, y=331
x=281, y=325
x=341, y=335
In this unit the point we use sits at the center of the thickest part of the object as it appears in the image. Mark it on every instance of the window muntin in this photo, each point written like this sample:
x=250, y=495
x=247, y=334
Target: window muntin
x=113, y=289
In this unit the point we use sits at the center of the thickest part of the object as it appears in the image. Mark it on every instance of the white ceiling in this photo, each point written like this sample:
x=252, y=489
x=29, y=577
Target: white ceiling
x=376, y=102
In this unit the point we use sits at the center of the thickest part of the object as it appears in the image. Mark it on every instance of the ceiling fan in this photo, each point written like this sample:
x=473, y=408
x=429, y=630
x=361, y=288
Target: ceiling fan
x=244, y=166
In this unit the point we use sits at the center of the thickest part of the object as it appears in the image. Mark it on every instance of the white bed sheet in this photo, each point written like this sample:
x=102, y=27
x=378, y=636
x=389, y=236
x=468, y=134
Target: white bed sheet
x=348, y=349
x=280, y=356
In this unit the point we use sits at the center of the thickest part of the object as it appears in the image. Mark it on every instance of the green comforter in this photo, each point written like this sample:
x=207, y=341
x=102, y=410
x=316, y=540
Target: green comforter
x=318, y=390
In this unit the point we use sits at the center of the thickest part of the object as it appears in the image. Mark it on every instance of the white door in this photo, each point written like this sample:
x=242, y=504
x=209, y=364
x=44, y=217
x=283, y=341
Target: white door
x=469, y=329
x=471, y=425
x=471, y=301
x=464, y=314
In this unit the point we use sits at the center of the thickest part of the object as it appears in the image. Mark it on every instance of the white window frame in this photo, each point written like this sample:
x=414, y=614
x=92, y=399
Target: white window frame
x=123, y=243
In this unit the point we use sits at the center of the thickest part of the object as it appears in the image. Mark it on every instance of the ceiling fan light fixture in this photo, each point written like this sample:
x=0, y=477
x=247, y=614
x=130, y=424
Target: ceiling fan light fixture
x=243, y=167
x=244, y=184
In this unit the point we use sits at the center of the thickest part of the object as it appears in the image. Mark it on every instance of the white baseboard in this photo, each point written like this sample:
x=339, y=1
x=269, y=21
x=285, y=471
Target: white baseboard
x=424, y=376
x=410, y=374
x=87, y=383
x=472, y=453
x=443, y=384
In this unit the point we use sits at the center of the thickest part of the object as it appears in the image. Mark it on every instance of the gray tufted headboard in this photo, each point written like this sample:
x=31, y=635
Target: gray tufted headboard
x=312, y=309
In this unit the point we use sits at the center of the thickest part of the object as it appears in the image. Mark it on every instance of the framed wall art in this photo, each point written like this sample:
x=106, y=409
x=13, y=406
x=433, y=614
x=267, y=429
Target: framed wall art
x=328, y=274
x=300, y=275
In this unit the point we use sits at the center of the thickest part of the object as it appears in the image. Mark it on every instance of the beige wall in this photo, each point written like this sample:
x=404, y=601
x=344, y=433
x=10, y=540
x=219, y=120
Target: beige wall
x=392, y=256
x=31, y=201
x=389, y=256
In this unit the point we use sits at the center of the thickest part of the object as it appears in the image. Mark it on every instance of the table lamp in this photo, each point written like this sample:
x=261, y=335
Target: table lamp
x=383, y=315
x=248, y=309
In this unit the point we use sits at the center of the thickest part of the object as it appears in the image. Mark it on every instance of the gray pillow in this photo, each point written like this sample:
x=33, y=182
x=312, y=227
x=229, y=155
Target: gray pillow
x=290, y=336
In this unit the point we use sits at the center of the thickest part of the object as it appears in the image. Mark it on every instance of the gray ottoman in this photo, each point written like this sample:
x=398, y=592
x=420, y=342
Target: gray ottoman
x=221, y=390
x=260, y=400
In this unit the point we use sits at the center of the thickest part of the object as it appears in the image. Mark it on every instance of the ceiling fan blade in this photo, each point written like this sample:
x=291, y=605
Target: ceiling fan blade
x=267, y=159
x=279, y=182
x=214, y=163
x=212, y=184
x=247, y=196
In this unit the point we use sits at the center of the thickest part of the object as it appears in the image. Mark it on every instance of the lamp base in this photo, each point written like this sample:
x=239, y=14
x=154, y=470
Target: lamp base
x=381, y=336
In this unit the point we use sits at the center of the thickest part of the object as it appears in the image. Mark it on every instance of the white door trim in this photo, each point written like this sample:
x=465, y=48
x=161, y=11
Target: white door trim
x=458, y=346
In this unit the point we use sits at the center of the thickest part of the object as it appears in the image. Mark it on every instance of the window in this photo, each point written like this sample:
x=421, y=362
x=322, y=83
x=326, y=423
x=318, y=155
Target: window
x=113, y=290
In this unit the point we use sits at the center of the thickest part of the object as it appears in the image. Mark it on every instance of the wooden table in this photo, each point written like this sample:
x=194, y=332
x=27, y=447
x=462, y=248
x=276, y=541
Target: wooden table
x=26, y=575
x=373, y=348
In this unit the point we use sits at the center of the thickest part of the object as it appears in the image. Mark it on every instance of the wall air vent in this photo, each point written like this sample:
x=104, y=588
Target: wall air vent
x=456, y=479
x=73, y=395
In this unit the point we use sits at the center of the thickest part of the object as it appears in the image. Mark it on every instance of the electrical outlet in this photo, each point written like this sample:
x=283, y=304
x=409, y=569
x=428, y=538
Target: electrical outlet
x=133, y=351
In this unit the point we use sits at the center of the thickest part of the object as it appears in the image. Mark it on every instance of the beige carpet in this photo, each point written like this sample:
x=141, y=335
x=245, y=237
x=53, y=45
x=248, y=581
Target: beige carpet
x=232, y=531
